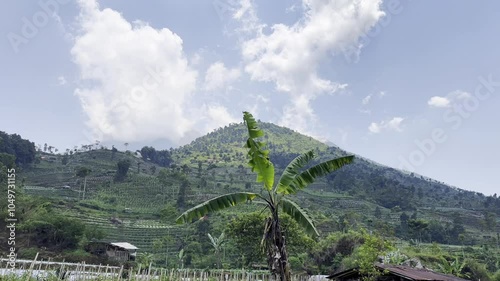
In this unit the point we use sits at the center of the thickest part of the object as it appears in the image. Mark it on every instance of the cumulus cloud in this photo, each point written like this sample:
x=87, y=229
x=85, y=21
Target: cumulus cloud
x=392, y=125
x=216, y=116
x=289, y=56
x=218, y=76
x=136, y=82
x=438, y=101
x=446, y=101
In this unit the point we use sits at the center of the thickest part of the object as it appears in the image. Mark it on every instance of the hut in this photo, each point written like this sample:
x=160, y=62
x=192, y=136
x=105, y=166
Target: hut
x=121, y=251
x=116, y=251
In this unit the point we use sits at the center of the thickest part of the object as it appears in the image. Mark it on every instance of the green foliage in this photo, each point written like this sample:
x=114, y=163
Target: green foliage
x=377, y=213
x=259, y=158
x=496, y=277
x=144, y=260
x=217, y=243
x=94, y=233
x=395, y=257
x=453, y=267
x=215, y=204
x=328, y=253
x=160, y=157
x=65, y=159
x=366, y=255
x=8, y=160
x=181, y=196
x=489, y=221
x=476, y=271
x=122, y=170
x=23, y=150
x=294, y=181
x=299, y=215
x=83, y=172
x=168, y=213
x=292, y=171
x=3, y=178
x=246, y=230
x=49, y=229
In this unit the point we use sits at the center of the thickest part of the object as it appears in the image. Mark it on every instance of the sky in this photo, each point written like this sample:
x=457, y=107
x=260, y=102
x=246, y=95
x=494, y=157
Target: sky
x=413, y=85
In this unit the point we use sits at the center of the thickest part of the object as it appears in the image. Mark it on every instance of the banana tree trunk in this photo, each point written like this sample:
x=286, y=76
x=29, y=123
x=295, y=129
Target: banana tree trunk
x=219, y=263
x=276, y=248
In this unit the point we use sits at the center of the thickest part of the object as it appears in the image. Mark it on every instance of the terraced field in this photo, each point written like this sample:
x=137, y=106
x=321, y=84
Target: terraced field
x=140, y=233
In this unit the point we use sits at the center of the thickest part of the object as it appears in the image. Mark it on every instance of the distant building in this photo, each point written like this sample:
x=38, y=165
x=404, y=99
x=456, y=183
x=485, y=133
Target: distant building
x=390, y=272
x=118, y=251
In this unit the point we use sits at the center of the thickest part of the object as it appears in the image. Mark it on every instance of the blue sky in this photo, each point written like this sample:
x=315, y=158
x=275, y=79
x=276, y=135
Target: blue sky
x=409, y=84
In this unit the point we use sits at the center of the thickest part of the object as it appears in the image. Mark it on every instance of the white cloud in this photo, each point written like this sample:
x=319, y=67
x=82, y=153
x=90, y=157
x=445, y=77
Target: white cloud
x=217, y=116
x=437, y=101
x=218, y=76
x=446, y=101
x=61, y=80
x=289, y=56
x=392, y=125
x=366, y=99
x=136, y=81
x=374, y=128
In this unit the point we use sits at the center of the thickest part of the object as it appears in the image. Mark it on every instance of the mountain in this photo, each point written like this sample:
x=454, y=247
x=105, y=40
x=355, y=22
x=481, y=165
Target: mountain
x=365, y=183
x=365, y=178
x=141, y=208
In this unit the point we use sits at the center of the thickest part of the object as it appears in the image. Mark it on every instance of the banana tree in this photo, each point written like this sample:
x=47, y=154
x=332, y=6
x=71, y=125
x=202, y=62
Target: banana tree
x=293, y=179
x=217, y=243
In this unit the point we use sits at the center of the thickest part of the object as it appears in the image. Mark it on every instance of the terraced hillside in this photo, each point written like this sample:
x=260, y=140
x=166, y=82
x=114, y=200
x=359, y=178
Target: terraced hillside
x=141, y=209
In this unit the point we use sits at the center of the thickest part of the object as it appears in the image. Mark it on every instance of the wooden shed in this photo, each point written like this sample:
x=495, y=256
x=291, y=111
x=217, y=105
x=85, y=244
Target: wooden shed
x=116, y=251
x=121, y=251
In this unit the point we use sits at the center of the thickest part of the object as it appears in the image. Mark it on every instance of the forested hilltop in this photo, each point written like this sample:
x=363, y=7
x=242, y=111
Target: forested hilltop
x=70, y=197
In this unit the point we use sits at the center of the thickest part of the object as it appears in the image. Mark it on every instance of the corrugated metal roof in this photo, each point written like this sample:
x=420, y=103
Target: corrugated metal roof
x=417, y=274
x=409, y=273
x=125, y=245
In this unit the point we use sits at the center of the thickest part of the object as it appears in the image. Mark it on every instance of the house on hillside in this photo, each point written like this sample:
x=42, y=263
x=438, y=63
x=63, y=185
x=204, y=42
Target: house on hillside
x=395, y=273
x=117, y=251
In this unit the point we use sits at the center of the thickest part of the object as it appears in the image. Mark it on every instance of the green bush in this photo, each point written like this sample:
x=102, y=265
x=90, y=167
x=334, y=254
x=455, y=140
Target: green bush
x=496, y=277
x=27, y=253
x=476, y=271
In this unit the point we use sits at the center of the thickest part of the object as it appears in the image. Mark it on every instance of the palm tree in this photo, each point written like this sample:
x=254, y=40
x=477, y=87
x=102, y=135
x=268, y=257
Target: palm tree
x=293, y=179
x=217, y=243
